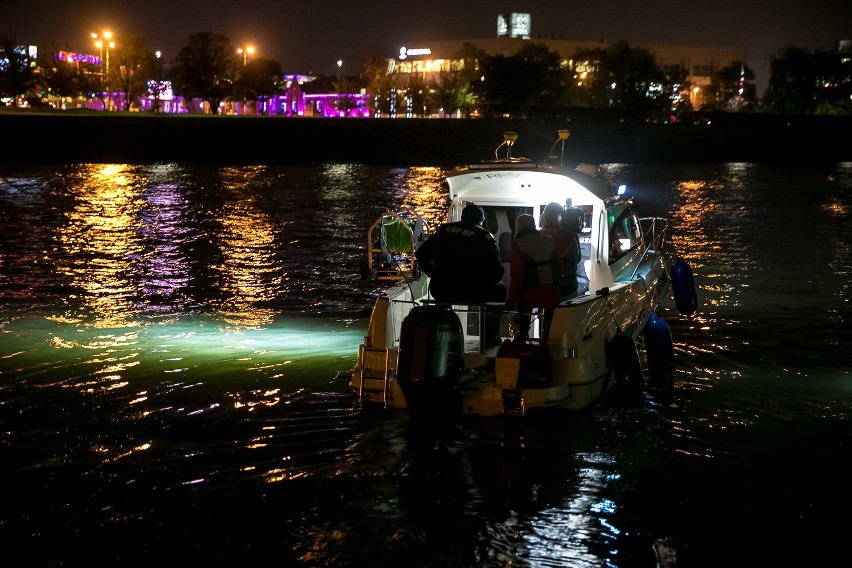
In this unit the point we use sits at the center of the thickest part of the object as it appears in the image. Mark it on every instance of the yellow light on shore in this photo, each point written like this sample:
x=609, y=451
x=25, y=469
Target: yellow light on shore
x=103, y=43
x=249, y=50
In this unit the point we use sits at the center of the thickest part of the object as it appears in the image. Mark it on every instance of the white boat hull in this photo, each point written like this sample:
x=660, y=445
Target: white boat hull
x=569, y=360
x=576, y=344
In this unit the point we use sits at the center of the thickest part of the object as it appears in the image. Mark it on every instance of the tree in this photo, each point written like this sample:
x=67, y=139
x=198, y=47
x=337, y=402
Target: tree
x=454, y=92
x=623, y=77
x=586, y=65
x=732, y=89
x=259, y=79
x=533, y=77
x=156, y=82
x=675, y=86
x=131, y=67
x=636, y=80
x=419, y=95
x=457, y=89
x=16, y=72
x=380, y=85
x=548, y=77
x=62, y=78
x=801, y=82
x=790, y=89
x=206, y=69
x=346, y=100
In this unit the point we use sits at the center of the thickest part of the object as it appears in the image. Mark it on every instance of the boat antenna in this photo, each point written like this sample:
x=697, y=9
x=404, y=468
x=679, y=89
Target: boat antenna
x=508, y=141
x=563, y=137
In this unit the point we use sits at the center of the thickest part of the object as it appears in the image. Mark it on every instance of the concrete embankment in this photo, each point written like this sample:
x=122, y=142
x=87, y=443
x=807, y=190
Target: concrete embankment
x=32, y=138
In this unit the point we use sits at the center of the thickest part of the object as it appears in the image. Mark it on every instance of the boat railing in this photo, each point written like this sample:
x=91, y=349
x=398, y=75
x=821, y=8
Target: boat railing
x=477, y=328
x=392, y=241
x=655, y=230
x=526, y=321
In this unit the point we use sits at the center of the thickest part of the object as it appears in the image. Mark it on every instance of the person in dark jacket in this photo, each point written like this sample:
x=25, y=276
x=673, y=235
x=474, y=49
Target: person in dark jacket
x=462, y=261
x=572, y=221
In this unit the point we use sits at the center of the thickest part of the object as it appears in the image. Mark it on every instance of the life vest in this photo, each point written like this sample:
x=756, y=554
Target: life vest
x=538, y=254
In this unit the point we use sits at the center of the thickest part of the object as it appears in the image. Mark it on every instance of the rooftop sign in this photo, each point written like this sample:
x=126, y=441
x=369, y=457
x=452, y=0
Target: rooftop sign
x=514, y=25
x=405, y=52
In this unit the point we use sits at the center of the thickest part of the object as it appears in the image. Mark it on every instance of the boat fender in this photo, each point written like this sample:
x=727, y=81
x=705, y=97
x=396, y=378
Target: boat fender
x=683, y=287
x=659, y=349
x=623, y=359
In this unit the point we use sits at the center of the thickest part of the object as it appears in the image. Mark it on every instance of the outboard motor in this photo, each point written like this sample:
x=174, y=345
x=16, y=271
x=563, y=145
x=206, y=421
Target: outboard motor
x=431, y=359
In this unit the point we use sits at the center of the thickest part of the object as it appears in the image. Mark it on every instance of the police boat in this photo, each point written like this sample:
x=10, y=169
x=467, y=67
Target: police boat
x=432, y=357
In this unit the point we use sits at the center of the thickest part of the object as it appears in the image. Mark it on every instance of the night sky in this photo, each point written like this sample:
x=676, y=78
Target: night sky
x=309, y=37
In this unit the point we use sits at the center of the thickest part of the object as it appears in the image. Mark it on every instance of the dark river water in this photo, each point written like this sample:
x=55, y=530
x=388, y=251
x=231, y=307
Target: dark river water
x=175, y=350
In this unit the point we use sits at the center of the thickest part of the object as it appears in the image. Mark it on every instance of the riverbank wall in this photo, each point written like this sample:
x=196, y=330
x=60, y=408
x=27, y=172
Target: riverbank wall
x=55, y=137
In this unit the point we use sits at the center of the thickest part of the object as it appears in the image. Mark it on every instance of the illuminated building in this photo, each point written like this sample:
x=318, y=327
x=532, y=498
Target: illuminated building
x=430, y=59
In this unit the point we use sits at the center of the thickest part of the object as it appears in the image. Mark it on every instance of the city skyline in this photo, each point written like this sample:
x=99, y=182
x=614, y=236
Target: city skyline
x=313, y=41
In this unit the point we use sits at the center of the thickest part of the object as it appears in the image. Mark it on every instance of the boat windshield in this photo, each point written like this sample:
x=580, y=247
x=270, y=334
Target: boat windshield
x=625, y=232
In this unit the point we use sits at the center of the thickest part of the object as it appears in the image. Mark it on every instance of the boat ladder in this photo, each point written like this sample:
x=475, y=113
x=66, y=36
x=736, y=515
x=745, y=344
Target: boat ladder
x=375, y=364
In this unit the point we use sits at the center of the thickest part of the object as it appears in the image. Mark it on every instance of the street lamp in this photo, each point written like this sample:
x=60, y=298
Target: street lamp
x=103, y=42
x=249, y=50
x=339, y=66
x=155, y=84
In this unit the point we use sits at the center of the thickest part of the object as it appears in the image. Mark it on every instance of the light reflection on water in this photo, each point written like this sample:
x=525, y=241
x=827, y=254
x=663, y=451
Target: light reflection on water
x=93, y=248
x=251, y=275
x=175, y=343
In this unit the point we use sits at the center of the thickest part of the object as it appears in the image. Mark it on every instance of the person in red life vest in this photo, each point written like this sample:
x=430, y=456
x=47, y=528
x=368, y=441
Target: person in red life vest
x=567, y=248
x=535, y=272
x=535, y=268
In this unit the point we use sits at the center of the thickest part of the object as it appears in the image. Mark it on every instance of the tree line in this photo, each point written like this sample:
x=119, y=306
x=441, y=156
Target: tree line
x=534, y=82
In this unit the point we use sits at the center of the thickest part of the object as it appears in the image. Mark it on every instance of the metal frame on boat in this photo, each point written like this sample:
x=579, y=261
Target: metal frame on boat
x=424, y=355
